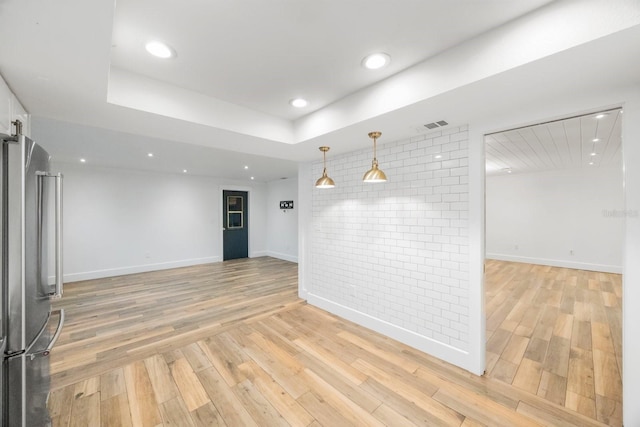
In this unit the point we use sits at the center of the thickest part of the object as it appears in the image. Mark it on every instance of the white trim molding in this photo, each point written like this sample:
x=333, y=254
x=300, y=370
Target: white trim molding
x=120, y=271
x=282, y=256
x=617, y=269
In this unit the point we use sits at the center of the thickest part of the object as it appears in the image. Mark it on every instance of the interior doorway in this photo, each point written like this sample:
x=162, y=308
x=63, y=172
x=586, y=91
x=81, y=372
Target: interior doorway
x=553, y=283
x=235, y=224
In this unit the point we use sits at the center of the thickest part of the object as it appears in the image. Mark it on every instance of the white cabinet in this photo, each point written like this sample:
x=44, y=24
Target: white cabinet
x=5, y=108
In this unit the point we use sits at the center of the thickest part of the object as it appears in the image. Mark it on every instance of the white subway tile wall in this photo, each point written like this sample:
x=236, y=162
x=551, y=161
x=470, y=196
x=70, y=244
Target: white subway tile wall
x=398, y=251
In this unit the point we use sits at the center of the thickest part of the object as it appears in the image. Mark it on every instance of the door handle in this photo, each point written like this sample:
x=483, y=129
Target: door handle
x=55, y=337
x=58, y=233
x=224, y=229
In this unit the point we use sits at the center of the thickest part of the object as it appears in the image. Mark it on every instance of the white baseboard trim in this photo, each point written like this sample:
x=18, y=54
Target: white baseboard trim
x=558, y=263
x=428, y=345
x=110, y=272
x=286, y=257
x=258, y=254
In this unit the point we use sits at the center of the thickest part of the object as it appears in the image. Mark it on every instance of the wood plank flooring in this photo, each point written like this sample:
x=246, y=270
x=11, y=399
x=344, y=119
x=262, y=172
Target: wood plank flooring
x=112, y=321
x=250, y=353
x=556, y=332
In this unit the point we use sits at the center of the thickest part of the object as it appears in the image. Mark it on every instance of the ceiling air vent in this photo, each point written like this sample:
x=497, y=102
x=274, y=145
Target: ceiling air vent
x=437, y=124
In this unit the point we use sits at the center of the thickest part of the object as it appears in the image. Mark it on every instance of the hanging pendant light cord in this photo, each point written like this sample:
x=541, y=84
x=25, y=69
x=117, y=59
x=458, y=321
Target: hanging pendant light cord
x=375, y=157
x=374, y=136
x=324, y=163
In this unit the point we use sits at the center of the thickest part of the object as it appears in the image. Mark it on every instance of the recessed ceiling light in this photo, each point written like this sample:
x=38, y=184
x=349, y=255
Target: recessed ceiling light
x=601, y=115
x=83, y=160
x=246, y=167
x=252, y=178
x=299, y=102
x=149, y=154
x=438, y=156
x=507, y=170
x=591, y=163
x=184, y=171
x=595, y=139
x=376, y=61
x=593, y=154
x=159, y=50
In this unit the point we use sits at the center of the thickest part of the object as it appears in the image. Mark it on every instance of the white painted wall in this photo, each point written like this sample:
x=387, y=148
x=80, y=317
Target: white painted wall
x=5, y=108
x=282, y=230
x=562, y=218
x=121, y=221
x=257, y=218
x=394, y=256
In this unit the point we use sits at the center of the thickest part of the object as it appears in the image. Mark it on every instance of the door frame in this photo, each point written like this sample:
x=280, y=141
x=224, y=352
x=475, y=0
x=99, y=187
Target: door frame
x=220, y=196
x=477, y=221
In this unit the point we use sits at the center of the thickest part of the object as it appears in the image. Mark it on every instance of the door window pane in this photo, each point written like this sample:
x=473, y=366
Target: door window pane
x=234, y=203
x=234, y=220
x=234, y=212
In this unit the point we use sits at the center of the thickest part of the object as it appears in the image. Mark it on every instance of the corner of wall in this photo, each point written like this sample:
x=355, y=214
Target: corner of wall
x=631, y=274
x=304, y=229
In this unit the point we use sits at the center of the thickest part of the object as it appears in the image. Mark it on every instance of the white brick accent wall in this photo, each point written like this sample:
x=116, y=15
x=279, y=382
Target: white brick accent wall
x=396, y=253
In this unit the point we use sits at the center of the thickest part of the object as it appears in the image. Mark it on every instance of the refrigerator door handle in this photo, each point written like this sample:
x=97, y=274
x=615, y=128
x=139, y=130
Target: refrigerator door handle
x=58, y=244
x=47, y=350
x=59, y=275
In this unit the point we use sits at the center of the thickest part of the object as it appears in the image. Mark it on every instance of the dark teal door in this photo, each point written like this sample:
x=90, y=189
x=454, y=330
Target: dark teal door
x=235, y=234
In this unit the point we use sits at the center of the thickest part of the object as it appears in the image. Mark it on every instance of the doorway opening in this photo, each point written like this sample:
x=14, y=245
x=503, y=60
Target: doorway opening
x=235, y=224
x=553, y=264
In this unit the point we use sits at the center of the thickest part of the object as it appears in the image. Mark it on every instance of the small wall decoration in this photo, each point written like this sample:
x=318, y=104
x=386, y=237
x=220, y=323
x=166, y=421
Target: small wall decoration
x=286, y=204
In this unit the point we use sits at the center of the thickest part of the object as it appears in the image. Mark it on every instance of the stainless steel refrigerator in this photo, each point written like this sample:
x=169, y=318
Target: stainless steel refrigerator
x=28, y=326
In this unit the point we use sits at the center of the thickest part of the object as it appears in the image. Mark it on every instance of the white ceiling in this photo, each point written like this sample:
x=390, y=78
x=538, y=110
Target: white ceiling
x=561, y=144
x=78, y=65
x=108, y=148
x=263, y=53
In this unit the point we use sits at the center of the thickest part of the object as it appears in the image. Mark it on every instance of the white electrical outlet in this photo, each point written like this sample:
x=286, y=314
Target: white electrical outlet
x=570, y=251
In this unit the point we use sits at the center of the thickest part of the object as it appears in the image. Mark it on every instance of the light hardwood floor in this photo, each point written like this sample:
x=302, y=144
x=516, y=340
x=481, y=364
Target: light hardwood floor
x=116, y=320
x=231, y=344
x=556, y=332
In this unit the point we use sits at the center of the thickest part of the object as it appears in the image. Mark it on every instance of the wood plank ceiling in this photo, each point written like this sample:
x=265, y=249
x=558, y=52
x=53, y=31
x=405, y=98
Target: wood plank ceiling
x=588, y=141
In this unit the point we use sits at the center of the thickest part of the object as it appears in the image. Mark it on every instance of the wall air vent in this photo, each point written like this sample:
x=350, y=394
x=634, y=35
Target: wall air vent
x=437, y=124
